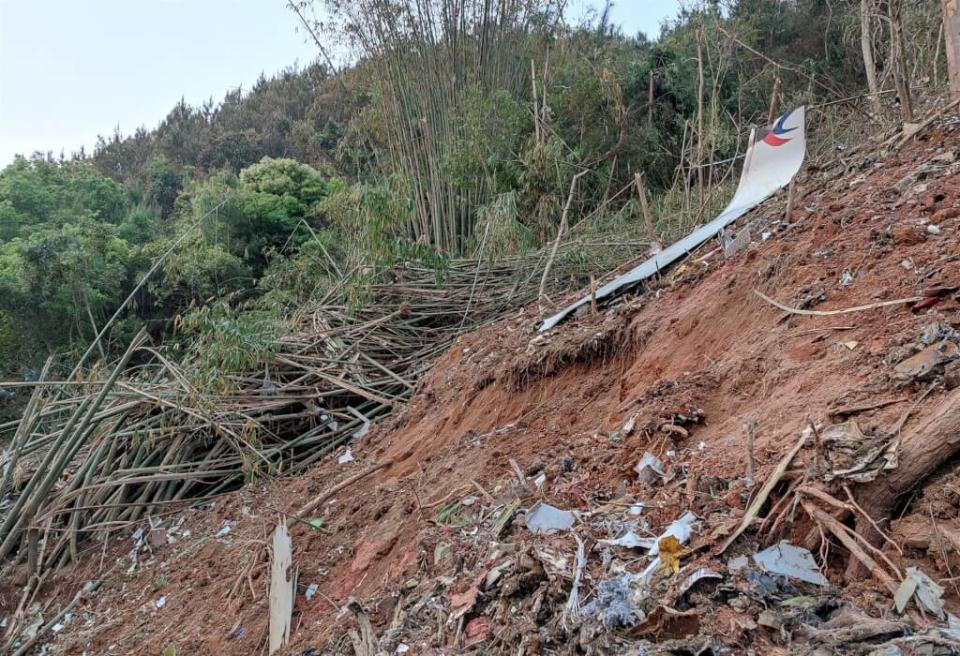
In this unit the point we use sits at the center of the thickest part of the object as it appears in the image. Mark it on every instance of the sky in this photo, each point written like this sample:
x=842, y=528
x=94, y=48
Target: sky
x=73, y=69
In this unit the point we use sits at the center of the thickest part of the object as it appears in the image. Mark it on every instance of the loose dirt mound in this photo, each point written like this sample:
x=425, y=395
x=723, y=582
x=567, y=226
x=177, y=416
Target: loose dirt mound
x=700, y=372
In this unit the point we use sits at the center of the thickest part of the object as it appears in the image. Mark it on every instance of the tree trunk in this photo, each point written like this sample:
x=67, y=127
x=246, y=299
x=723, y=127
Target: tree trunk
x=900, y=70
x=922, y=451
x=650, y=100
x=869, y=65
x=951, y=32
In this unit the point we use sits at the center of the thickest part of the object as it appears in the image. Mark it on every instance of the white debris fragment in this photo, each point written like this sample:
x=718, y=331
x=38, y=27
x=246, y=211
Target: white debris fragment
x=904, y=593
x=225, y=528
x=738, y=563
x=681, y=529
x=791, y=561
x=160, y=602
x=953, y=627
x=345, y=457
x=929, y=593
x=630, y=540
x=698, y=575
x=650, y=469
x=933, y=229
x=543, y=518
x=540, y=480
x=363, y=430
x=311, y=591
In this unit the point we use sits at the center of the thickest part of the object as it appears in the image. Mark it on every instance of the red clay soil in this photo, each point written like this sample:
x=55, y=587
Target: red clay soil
x=690, y=368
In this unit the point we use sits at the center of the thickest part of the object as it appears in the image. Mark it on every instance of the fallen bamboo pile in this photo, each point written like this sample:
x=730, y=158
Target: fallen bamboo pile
x=91, y=455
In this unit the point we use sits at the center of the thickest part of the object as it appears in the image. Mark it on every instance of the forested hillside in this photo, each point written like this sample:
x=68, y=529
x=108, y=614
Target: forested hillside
x=443, y=139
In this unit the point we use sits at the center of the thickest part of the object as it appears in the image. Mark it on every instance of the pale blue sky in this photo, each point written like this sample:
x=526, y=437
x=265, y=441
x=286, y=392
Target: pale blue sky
x=73, y=69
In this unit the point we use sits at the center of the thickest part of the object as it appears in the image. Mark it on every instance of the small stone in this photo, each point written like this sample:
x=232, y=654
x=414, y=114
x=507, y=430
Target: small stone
x=933, y=229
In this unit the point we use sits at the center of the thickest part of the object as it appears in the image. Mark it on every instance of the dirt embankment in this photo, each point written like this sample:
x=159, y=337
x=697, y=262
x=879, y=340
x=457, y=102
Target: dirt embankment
x=701, y=372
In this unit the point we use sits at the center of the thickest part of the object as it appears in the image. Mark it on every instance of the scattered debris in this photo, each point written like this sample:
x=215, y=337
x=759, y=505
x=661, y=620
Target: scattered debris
x=928, y=593
x=855, y=456
x=614, y=603
x=345, y=457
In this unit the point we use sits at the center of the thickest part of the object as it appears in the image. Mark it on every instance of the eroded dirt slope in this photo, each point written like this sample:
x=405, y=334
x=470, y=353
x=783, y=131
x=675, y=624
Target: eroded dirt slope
x=434, y=548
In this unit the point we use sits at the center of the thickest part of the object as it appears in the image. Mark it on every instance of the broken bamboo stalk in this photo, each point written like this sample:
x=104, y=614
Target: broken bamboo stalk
x=316, y=501
x=830, y=313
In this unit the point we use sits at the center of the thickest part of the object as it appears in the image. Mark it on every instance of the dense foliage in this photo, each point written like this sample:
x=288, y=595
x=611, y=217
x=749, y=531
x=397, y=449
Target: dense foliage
x=437, y=142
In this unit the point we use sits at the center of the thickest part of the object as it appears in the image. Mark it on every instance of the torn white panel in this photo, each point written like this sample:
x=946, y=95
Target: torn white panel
x=770, y=164
x=789, y=560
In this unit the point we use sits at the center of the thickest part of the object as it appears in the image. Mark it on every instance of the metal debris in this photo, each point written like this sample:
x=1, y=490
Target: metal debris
x=928, y=592
x=650, y=469
x=791, y=561
x=630, y=540
x=542, y=518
